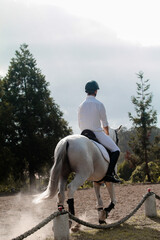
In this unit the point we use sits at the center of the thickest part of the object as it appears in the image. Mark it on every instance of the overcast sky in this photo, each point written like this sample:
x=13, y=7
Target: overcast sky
x=74, y=41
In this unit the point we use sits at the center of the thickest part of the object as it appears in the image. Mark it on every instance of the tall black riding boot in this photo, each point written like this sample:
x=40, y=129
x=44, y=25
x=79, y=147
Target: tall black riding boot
x=110, y=173
x=113, y=160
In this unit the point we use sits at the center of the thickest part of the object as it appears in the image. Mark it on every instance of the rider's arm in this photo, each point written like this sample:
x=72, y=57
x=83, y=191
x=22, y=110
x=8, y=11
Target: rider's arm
x=106, y=129
x=103, y=119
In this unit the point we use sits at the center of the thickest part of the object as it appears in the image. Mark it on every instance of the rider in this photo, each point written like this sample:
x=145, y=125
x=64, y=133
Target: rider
x=92, y=116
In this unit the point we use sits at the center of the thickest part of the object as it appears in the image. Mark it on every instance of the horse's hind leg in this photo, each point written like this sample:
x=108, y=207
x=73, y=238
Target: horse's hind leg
x=78, y=180
x=61, y=192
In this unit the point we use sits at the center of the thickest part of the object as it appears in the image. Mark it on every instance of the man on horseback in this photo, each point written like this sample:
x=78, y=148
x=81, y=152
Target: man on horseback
x=92, y=116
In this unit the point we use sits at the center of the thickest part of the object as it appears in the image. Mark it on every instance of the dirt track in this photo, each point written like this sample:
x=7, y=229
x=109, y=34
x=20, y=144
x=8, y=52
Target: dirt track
x=18, y=214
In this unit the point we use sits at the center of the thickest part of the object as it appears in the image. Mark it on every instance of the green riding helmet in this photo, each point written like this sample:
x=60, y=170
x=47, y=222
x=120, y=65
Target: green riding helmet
x=91, y=86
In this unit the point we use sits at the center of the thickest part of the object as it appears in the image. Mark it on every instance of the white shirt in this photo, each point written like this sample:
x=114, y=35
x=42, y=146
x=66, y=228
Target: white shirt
x=92, y=115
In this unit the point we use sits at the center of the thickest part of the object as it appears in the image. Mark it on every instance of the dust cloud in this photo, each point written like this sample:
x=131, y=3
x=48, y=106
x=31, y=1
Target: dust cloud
x=19, y=214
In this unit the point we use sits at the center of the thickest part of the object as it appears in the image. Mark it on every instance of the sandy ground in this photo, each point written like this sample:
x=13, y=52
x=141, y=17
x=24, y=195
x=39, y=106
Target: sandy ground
x=18, y=214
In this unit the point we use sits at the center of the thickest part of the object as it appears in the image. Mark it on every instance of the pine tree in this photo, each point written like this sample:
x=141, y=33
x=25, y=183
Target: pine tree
x=143, y=122
x=6, y=158
x=37, y=123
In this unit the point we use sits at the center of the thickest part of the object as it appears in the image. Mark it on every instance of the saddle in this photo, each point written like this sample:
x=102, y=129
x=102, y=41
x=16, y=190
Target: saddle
x=90, y=134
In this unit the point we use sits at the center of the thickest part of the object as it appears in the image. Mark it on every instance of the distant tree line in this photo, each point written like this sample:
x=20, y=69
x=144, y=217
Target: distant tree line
x=31, y=123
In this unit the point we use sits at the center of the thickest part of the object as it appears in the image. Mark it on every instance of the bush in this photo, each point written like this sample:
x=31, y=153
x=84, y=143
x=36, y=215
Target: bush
x=125, y=170
x=10, y=186
x=154, y=171
x=138, y=174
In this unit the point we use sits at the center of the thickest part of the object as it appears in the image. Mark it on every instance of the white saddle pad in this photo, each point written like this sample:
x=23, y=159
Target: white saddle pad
x=103, y=151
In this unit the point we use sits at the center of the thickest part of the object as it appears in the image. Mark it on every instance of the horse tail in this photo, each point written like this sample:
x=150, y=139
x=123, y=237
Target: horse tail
x=60, y=154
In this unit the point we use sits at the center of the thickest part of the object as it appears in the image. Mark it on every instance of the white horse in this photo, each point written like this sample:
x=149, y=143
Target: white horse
x=78, y=154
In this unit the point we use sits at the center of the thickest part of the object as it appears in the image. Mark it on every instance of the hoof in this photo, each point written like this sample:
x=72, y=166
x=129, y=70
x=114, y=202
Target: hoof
x=102, y=214
x=102, y=222
x=76, y=228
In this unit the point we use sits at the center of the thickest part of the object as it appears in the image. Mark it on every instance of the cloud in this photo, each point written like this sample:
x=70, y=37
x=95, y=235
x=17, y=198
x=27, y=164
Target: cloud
x=71, y=49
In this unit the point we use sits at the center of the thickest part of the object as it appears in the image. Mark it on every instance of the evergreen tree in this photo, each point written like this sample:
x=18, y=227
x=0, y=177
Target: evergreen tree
x=143, y=122
x=37, y=123
x=6, y=160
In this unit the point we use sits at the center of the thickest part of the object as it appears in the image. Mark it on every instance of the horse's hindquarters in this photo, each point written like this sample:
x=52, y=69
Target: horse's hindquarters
x=86, y=159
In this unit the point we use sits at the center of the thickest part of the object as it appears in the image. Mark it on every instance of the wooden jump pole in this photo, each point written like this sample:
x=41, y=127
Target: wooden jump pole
x=150, y=206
